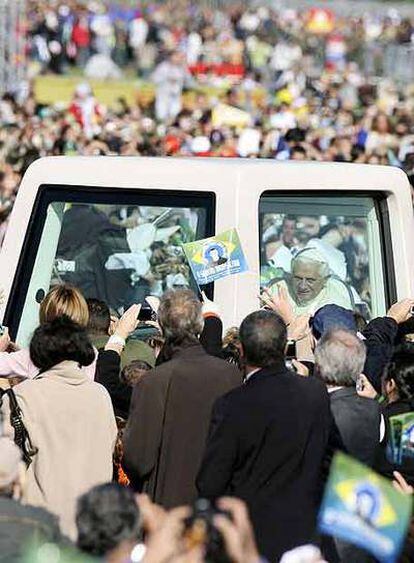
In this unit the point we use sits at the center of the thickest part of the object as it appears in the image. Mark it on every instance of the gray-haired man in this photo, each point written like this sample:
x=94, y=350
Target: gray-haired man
x=170, y=408
x=339, y=361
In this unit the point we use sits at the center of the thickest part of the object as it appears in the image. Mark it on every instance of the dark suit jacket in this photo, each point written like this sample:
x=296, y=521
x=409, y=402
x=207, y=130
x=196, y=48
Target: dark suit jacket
x=380, y=335
x=108, y=367
x=168, y=423
x=358, y=422
x=266, y=445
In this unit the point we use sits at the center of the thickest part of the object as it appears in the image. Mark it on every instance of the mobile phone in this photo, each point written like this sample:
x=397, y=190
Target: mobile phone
x=291, y=351
x=2, y=330
x=147, y=313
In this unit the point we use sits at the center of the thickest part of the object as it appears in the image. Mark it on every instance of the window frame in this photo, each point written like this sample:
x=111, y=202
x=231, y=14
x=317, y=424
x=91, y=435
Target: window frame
x=379, y=200
x=51, y=193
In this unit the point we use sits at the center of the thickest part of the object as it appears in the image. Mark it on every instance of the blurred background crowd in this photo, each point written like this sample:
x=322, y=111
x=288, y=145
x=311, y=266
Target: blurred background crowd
x=229, y=81
x=129, y=384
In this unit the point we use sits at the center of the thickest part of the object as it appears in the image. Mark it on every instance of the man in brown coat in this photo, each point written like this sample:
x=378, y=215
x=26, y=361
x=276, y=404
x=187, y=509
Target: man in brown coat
x=171, y=405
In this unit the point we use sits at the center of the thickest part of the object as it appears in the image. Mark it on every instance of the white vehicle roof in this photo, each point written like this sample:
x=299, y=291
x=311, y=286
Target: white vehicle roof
x=238, y=185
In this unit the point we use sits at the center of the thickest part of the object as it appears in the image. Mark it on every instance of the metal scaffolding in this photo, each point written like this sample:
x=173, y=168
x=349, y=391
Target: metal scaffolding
x=13, y=64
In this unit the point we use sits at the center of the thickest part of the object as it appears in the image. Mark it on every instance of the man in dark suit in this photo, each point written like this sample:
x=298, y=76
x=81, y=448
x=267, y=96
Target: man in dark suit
x=268, y=439
x=170, y=407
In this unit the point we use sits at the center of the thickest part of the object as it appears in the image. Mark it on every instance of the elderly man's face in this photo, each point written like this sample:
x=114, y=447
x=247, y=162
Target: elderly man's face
x=307, y=281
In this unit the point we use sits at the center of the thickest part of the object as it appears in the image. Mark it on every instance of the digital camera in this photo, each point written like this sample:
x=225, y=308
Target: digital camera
x=200, y=530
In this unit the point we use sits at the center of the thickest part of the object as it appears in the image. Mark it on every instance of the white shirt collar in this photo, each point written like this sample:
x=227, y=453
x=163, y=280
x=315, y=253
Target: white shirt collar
x=336, y=388
x=248, y=376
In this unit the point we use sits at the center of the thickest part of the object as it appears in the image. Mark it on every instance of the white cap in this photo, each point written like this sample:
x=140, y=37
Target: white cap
x=332, y=256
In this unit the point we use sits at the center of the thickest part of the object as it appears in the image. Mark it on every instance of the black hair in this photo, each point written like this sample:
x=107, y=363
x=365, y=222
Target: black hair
x=60, y=340
x=401, y=370
x=295, y=135
x=106, y=516
x=289, y=218
x=297, y=148
x=263, y=335
x=356, y=152
x=99, y=317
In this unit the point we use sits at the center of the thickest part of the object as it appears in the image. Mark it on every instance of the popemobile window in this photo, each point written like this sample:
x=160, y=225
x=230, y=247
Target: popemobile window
x=121, y=254
x=322, y=251
x=115, y=245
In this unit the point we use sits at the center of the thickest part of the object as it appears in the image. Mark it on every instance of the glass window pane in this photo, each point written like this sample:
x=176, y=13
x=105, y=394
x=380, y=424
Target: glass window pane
x=122, y=253
x=323, y=250
x=117, y=252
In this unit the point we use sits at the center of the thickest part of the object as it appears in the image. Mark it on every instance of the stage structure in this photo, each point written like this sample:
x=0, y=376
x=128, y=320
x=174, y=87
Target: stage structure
x=13, y=64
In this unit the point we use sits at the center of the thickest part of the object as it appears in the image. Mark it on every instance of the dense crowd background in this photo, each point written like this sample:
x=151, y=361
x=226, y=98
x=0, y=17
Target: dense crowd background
x=243, y=82
x=128, y=437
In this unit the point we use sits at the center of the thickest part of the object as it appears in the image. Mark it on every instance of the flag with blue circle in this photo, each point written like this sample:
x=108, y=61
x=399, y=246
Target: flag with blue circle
x=216, y=257
x=363, y=508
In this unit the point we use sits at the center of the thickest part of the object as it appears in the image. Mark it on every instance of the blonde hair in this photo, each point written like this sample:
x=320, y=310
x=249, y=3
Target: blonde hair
x=232, y=336
x=66, y=300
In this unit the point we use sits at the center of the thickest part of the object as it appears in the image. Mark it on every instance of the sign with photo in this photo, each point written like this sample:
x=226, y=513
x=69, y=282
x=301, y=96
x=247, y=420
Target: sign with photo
x=363, y=508
x=216, y=257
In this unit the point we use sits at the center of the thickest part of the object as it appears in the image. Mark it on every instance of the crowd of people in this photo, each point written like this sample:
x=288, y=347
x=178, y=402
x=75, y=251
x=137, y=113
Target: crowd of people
x=232, y=82
x=157, y=437
x=65, y=33
x=151, y=440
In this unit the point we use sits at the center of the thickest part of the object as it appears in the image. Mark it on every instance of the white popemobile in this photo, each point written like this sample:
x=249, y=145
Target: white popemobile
x=114, y=226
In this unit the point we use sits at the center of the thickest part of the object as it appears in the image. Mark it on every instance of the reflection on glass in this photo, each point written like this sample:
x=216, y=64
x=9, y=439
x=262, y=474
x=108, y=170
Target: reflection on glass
x=121, y=254
x=319, y=259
